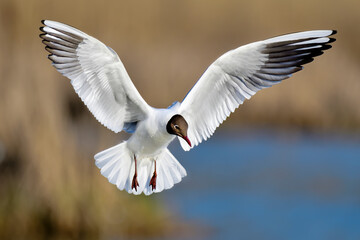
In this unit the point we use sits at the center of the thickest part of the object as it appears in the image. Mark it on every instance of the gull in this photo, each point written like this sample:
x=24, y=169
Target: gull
x=143, y=163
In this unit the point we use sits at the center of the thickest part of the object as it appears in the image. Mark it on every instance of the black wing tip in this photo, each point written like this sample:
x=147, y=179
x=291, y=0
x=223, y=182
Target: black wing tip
x=306, y=61
x=317, y=53
x=326, y=47
x=298, y=68
x=48, y=49
x=333, y=32
x=49, y=57
x=43, y=21
x=331, y=40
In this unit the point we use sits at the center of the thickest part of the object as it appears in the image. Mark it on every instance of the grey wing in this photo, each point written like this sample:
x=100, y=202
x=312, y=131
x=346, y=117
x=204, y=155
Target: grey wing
x=240, y=73
x=97, y=75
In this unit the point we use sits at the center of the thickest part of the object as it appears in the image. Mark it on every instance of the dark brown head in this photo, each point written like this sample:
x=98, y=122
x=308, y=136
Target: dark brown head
x=178, y=126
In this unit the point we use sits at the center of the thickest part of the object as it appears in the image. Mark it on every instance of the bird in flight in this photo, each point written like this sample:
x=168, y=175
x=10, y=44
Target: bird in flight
x=143, y=163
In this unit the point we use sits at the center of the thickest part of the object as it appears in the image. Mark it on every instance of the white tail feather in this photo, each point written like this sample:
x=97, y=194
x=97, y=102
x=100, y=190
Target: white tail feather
x=117, y=165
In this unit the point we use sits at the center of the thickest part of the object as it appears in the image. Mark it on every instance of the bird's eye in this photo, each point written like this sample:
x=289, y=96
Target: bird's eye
x=176, y=127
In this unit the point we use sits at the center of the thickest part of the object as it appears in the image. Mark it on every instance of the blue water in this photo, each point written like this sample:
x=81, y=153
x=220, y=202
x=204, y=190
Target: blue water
x=267, y=185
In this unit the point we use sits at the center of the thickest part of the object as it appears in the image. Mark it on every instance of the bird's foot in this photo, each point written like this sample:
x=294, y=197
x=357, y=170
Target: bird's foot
x=153, y=181
x=135, y=183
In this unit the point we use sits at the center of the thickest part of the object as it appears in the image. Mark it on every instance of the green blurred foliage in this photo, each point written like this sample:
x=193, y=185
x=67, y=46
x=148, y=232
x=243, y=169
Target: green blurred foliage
x=49, y=185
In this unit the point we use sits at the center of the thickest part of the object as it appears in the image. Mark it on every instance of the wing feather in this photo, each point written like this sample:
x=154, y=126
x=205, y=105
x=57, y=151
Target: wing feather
x=238, y=74
x=97, y=75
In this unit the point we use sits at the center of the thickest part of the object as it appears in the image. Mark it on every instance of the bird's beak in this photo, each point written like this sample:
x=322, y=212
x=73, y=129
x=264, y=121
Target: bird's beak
x=187, y=140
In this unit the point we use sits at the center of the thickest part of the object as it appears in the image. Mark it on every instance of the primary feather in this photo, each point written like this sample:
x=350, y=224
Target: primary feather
x=97, y=75
x=238, y=74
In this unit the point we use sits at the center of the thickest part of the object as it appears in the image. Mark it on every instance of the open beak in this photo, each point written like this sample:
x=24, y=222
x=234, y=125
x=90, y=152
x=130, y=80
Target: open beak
x=187, y=140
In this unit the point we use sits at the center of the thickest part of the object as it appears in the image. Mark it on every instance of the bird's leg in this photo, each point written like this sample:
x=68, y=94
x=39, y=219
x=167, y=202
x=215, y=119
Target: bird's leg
x=153, y=178
x=135, y=183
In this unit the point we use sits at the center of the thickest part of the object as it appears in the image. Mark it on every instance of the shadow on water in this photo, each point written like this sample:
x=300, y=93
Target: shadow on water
x=252, y=185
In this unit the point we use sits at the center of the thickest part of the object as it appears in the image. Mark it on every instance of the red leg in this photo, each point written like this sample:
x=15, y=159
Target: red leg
x=153, y=179
x=135, y=183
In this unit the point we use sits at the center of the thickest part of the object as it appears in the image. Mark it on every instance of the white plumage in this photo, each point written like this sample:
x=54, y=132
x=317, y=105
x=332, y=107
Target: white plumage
x=101, y=81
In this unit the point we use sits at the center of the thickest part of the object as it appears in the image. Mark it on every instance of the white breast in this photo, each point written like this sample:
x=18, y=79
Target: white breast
x=151, y=137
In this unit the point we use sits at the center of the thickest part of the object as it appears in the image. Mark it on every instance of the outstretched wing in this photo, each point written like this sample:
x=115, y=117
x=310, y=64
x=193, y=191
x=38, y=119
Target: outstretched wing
x=240, y=73
x=97, y=75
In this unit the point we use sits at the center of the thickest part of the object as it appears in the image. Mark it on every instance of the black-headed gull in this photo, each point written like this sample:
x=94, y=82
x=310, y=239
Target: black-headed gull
x=143, y=163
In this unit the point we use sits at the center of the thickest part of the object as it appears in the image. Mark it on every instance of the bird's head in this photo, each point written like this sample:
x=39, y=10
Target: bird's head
x=178, y=126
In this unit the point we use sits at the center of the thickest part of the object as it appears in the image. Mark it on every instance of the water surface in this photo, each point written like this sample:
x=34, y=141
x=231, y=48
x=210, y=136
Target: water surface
x=267, y=185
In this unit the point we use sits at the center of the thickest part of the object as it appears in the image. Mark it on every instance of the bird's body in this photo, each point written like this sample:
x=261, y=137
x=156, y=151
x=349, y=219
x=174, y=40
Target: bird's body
x=148, y=145
x=151, y=137
x=143, y=163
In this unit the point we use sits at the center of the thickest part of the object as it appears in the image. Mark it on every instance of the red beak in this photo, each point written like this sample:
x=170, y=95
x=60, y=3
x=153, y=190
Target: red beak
x=187, y=140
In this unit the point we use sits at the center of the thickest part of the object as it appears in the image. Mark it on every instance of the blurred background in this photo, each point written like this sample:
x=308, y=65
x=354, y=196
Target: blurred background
x=284, y=166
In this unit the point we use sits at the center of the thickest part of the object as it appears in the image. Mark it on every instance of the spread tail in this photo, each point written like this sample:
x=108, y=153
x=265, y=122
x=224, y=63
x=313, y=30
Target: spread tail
x=117, y=165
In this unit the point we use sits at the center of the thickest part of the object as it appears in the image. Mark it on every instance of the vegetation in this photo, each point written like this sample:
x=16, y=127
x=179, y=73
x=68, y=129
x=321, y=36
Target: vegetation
x=49, y=185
